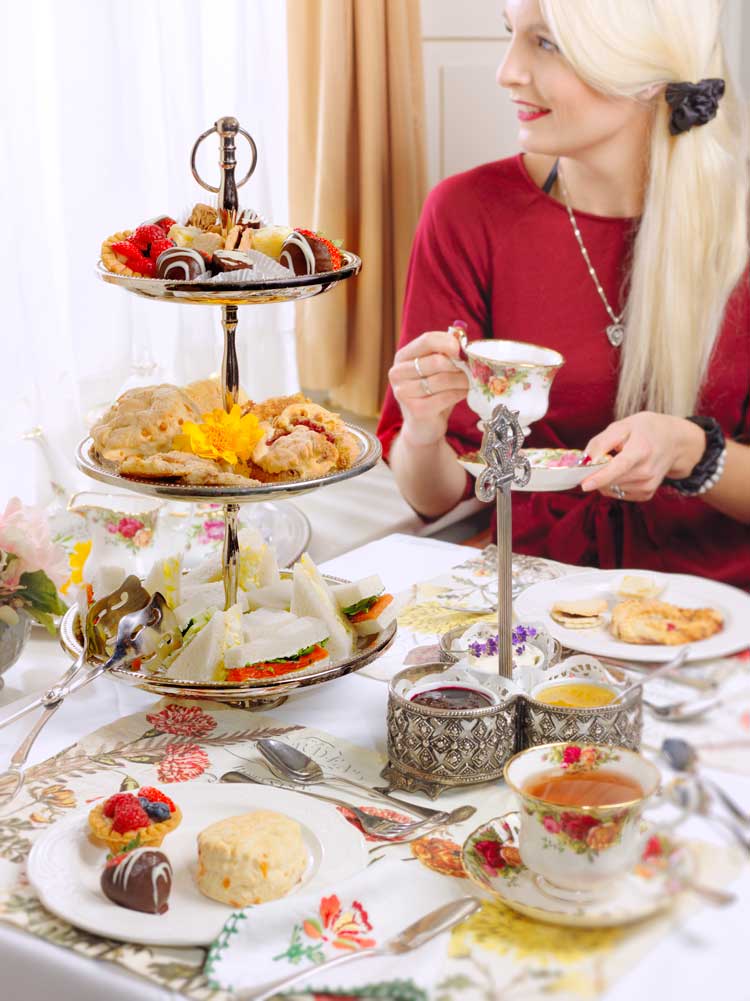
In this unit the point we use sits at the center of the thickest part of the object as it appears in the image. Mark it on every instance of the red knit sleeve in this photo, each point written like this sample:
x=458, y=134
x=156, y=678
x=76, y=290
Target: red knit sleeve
x=448, y=279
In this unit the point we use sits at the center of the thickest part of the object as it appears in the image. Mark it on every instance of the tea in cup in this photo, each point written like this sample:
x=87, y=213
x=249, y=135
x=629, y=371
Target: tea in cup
x=513, y=373
x=580, y=813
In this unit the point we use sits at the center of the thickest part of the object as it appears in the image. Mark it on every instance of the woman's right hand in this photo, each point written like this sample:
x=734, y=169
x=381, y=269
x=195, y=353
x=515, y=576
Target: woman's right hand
x=427, y=385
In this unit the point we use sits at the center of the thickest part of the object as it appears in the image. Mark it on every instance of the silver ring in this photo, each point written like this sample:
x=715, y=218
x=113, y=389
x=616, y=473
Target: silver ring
x=418, y=367
x=425, y=386
x=618, y=491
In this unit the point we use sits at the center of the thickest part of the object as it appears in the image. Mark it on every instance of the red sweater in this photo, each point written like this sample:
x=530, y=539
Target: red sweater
x=493, y=249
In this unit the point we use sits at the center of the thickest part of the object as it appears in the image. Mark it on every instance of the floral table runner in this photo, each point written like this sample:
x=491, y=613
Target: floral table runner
x=496, y=952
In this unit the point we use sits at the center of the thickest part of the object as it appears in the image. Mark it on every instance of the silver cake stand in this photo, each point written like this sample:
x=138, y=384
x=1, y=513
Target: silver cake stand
x=229, y=296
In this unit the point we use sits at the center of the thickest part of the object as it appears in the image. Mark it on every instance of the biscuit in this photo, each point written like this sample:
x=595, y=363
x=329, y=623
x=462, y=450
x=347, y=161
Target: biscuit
x=586, y=614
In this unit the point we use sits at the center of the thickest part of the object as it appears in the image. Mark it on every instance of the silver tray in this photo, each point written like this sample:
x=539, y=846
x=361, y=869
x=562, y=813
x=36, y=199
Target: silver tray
x=252, y=694
x=235, y=293
x=105, y=472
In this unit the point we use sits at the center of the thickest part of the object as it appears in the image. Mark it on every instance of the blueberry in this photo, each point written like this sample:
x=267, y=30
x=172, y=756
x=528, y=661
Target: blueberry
x=143, y=801
x=157, y=811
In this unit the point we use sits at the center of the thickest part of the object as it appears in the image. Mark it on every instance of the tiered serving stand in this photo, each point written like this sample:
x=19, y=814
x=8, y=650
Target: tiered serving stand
x=229, y=296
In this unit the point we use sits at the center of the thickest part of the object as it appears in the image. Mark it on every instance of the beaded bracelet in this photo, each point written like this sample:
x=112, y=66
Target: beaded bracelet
x=710, y=468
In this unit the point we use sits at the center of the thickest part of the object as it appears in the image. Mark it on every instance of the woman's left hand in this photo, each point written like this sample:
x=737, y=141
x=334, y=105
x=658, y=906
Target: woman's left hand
x=648, y=447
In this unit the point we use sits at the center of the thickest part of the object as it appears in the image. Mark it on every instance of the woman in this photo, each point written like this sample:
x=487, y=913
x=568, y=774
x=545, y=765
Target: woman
x=625, y=219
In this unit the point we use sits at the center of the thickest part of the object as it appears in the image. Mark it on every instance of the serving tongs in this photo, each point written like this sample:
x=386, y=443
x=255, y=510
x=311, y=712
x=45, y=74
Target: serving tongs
x=144, y=625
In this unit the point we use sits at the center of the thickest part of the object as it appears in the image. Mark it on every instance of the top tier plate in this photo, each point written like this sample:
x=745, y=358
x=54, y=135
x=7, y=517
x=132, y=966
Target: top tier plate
x=235, y=293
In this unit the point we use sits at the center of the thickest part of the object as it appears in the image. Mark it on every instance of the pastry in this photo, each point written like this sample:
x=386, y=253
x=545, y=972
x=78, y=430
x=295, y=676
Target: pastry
x=239, y=237
x=230, y=260
x=137, y=252
x=307, y=253
x=302, y=454
x=149, y=816
x=269, y=240
x=205, y=217
x=143, y=421
x=207, y=243
x=632, y=586
x=249, y=217
x=579, y=614
x=139, y=879
x=638, y=620
x=183, y=236
x=251, y=859
x=270, y=409
x=180, y=264
x=112, y=261
x=325, y=422
x=184, y=467
x=205, y=394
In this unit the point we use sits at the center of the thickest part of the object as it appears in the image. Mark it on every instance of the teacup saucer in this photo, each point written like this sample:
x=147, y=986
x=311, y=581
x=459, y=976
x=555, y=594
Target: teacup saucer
x=649, y=887
x=551, y=468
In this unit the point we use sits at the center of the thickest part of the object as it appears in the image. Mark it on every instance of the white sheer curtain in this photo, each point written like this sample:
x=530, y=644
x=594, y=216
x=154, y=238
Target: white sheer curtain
x=102, y=102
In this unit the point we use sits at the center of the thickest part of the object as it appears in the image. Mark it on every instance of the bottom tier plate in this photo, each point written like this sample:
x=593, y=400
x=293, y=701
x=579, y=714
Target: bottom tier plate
x=252, y=694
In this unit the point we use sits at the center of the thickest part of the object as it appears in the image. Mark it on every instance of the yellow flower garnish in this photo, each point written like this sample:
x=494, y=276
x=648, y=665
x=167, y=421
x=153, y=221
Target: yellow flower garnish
x=76, y=562
x=227, y=436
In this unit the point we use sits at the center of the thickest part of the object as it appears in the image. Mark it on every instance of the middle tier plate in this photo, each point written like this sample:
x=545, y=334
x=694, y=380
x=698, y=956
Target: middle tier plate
x=88, y=462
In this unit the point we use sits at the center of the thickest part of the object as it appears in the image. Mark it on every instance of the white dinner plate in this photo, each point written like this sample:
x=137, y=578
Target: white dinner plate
x=534, y=605
x=64, y=867
x=552, y=469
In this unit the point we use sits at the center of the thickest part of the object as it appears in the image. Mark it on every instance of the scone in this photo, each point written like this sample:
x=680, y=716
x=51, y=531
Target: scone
x=143, y=421
x=639, y=621
x=251, y=858
x=579, y=614
x=148, y=815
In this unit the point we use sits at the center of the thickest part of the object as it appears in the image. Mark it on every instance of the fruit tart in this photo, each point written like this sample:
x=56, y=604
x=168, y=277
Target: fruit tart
x=147, y=814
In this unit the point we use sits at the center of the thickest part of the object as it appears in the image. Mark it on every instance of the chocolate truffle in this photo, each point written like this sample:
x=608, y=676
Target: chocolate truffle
x=230, y=260
x=249, y=217
x=180, y=264
x=140, y=880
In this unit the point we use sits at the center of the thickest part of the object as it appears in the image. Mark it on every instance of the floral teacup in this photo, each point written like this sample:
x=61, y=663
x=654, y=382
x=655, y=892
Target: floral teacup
x=122, y=528
x=514, y=373
x=576, y=851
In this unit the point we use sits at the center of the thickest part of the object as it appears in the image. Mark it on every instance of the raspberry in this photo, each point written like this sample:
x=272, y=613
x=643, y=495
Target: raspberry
x=156, y=796
x=145, y=266
x=158, y=247
x=146, y=235
x=129, y=251
x=129, y=817
x=111, y=804
x=165, y=223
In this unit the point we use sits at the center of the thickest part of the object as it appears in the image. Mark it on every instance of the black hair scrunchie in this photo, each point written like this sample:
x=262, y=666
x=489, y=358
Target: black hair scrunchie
x=693, y=104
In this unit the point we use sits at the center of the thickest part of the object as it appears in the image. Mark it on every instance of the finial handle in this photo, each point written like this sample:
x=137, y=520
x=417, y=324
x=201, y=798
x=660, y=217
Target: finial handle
x=227, y=128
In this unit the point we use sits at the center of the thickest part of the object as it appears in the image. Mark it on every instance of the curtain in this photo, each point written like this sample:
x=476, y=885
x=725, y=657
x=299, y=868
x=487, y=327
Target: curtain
x=103, y=100
x=357, y=173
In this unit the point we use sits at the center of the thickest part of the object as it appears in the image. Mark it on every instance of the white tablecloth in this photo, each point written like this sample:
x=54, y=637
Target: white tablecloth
x=703, y=958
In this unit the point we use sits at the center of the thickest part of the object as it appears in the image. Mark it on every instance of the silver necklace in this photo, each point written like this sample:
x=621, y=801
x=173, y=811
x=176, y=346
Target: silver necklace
x=616, y=330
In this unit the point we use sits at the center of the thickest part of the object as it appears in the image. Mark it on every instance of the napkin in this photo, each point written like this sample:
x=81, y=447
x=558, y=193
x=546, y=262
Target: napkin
x=262, y=945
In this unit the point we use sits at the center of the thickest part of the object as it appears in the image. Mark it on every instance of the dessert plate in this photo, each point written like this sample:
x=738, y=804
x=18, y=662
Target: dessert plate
x=535, y=603
x=551, y=468
x=64, y=867
x=649, y=887
x=89, y=463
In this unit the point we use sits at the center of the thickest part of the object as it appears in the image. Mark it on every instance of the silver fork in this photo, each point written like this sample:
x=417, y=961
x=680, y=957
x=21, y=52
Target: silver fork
x=380, y=827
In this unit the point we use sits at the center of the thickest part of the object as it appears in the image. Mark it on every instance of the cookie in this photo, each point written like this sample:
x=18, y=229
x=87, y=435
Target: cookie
x=586, y=614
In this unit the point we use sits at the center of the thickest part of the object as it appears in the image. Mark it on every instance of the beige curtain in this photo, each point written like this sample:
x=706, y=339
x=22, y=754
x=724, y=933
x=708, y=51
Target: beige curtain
x=356, y=173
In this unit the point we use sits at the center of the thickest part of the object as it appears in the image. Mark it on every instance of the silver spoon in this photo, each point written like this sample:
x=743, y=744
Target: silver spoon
x=684, y=711
x=683, y=757
x=139, y=634
x=691, y=796
x=677, y=661
x=416, y=934
x=380, y=827
x=300, y=767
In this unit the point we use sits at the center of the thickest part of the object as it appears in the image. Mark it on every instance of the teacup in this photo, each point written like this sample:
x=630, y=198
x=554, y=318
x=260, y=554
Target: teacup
x=122, y=528
x=577, y=850
x=514, y=373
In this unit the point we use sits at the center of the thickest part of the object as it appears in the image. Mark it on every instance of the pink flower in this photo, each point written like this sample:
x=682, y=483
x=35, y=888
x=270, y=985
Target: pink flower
x=184, y=721
x=491, y=853
x=127, y=527
x=551, y=825
x=182, y=762
x=571, y=754
x=213, y=530
x=112, y=528
x=577, y=825
x=24, y=533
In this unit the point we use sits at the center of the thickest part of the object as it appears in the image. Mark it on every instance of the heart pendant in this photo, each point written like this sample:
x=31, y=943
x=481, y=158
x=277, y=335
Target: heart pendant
x=616, y=334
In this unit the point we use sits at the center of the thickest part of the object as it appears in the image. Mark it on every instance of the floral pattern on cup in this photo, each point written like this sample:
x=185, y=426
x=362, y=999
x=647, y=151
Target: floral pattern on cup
x=584, y=833
x=577, y=758
x=133, y=533
x=492, y=853
x=492, y=385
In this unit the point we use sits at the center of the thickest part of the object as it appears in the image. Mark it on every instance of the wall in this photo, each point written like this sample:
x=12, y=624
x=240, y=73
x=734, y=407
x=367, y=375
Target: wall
x=469, y=118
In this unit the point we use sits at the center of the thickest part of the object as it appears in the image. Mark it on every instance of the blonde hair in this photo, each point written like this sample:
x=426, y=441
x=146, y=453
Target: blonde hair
x=692, y=243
